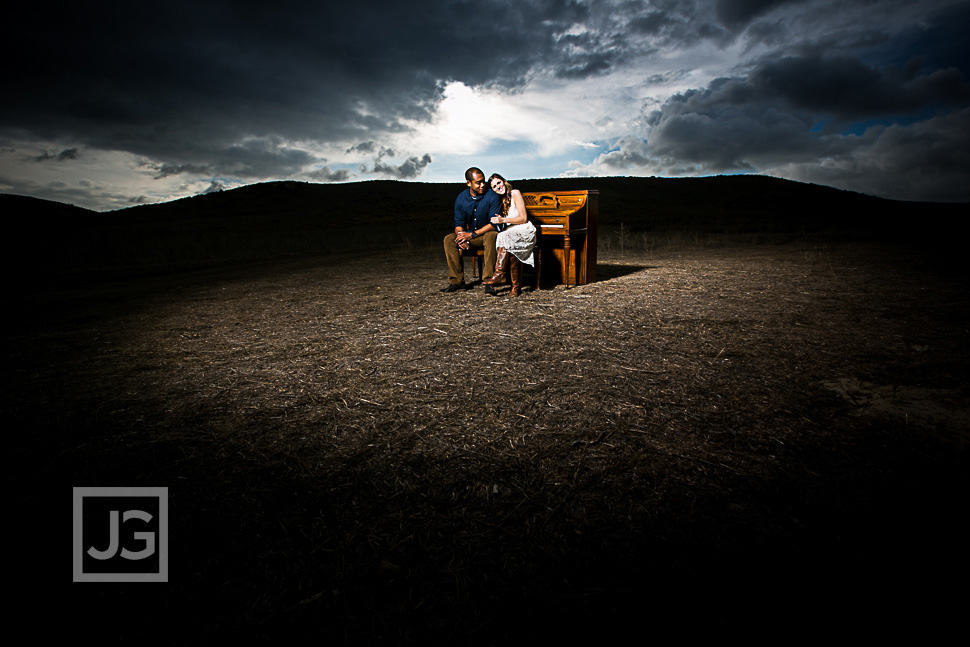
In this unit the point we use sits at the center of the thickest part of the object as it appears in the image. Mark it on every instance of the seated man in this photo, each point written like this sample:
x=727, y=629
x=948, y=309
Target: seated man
x=473, y=210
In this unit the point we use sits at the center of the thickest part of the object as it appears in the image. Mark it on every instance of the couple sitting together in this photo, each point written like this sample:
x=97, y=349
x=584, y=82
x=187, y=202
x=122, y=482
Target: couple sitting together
x=490, y=216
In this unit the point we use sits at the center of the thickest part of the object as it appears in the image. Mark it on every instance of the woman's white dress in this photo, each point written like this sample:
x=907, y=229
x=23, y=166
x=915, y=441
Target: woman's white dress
x=518, y=239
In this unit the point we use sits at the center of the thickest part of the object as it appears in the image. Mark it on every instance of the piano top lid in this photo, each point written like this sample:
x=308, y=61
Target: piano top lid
x=556, y=200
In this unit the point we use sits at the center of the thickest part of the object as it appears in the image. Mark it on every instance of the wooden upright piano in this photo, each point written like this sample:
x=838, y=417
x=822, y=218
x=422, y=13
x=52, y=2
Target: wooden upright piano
x=566, y=221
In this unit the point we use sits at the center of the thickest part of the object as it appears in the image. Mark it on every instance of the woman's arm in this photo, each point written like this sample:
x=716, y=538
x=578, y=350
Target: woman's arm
x=519, y=206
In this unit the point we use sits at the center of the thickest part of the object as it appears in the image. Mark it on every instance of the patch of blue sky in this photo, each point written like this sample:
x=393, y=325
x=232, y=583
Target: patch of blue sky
x=819, y=126
x=860, y=127
x=510, y=147
x=589, y=151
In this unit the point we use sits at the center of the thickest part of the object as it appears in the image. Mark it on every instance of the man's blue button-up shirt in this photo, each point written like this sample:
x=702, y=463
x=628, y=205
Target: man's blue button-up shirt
x=474, y=213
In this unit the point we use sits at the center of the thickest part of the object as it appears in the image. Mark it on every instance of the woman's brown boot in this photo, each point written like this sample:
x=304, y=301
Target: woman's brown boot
x=515, y=269
x=501, y=261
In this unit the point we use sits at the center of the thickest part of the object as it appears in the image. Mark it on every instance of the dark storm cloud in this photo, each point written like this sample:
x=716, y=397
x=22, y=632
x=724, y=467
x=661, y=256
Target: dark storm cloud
x=260, y=158
x=846, y=87
x=326, y=174
x=167, y=170
x=804, y=111
x=67, y=154
x=923, y=161
x=775, y=107
x=669, y=24
x=410, y=169
x=630, y=152
x=741, y=12
x=587, y=54
x=251, y=159
x=362, y=147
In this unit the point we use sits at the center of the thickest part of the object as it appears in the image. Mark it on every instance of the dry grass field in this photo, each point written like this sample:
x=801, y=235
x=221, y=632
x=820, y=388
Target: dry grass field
x=760, y=435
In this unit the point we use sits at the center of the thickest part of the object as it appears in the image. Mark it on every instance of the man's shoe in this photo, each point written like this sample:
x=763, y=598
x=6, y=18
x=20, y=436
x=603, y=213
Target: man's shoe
x=454, y=287
x=490, y=290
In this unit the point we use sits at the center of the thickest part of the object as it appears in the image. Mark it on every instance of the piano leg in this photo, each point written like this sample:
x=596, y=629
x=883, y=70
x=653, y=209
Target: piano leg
x=567, y=262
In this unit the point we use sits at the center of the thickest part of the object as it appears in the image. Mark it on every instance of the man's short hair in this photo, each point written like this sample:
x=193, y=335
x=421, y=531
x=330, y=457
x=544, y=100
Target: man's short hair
x=470, y=173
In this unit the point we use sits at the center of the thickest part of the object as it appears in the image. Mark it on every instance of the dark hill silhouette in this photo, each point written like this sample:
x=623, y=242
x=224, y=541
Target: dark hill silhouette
x=274, y=218
x=47, y=212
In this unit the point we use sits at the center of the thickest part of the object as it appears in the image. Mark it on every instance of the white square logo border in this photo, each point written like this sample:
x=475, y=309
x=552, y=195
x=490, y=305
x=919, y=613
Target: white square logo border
x=161, y=541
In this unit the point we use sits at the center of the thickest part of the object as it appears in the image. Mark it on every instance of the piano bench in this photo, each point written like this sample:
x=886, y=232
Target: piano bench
x=479, y=256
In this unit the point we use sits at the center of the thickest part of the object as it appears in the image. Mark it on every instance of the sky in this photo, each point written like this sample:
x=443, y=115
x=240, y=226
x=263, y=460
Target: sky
x=113, y=104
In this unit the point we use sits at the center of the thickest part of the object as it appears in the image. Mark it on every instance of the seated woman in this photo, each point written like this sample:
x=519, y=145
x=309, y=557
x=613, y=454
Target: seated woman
x=516, y=241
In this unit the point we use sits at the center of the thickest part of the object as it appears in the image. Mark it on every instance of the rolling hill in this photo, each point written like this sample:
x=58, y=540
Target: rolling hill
x=286, y=217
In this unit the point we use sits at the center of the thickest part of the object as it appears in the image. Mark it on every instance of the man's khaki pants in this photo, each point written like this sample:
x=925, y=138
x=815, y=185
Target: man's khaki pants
x=456, y=272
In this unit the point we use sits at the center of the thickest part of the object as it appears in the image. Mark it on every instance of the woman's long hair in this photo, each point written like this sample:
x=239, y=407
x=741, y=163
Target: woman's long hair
x=507, y=198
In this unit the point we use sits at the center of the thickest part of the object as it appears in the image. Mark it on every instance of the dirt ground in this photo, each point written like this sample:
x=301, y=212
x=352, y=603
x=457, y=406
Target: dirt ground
x=351, y=455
